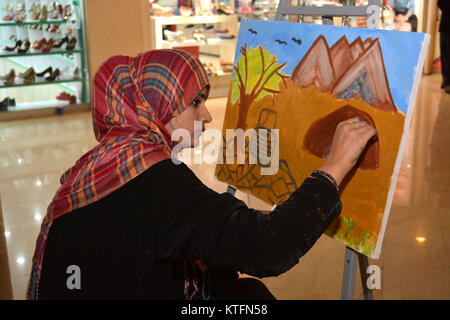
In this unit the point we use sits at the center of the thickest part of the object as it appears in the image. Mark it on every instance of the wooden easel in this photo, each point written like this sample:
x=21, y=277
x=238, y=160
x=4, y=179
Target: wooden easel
x=327, y=13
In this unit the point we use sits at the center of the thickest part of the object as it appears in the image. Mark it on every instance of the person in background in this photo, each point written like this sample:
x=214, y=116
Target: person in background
x=444, y=30
x=404, y=13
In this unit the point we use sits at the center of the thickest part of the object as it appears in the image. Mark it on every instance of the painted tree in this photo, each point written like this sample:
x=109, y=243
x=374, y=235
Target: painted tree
x=256, y=74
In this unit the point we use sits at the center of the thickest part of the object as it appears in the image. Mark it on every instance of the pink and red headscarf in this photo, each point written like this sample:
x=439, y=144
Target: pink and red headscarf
x=133, y=99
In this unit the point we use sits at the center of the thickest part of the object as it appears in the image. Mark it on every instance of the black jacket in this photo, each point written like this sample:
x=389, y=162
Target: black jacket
x=129, y=245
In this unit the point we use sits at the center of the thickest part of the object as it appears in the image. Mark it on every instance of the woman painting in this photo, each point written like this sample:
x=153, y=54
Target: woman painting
x=128, y=223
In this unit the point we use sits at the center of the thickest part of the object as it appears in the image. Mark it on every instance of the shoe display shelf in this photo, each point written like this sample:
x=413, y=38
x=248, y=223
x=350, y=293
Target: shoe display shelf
x=186, y=27
x=258, y=9
x=39, y=36
x=215, y=36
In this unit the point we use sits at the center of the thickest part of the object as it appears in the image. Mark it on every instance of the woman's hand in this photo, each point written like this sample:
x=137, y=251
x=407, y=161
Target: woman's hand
x=349, y=141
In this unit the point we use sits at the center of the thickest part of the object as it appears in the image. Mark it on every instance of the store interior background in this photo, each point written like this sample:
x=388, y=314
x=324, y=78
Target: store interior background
x=37, y=146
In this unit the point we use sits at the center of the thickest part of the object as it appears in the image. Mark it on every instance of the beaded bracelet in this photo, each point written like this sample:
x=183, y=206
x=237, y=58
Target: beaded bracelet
x=326, y=175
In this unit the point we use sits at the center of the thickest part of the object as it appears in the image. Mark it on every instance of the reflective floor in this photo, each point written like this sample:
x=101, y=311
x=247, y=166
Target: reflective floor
x=415, y=258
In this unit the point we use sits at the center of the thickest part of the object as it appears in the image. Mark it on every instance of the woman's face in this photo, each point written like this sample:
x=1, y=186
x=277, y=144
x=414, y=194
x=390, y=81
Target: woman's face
x=196, y=111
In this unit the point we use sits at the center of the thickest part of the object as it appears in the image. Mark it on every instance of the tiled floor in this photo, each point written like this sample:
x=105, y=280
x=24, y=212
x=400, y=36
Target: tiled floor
x=34, y=154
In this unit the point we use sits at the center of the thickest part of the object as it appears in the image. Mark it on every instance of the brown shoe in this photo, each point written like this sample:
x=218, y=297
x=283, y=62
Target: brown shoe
x=10, y=78
x=30, y=77
x=27, y=73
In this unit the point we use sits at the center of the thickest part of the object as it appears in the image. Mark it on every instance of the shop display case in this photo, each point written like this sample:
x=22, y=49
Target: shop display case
x=201, y=31
x=42, y=55
x=264, y=9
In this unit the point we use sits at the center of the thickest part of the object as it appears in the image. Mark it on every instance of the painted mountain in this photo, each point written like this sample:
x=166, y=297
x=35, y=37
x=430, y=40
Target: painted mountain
x=346, y=71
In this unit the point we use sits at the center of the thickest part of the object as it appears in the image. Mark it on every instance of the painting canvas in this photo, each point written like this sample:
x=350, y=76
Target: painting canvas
x=302, y=80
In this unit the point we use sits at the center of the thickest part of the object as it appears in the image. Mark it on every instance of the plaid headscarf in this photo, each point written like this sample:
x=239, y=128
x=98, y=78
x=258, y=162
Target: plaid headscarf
x=133, y=99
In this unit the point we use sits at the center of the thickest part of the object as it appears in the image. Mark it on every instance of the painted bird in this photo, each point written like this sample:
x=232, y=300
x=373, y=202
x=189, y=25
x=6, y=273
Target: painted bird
x=297, y=41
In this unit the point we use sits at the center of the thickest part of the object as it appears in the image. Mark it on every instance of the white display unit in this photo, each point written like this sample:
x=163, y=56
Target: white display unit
x=224, y=48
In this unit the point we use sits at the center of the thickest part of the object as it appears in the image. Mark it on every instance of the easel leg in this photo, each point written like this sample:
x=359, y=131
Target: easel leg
x=363, y=265
x=348, y=283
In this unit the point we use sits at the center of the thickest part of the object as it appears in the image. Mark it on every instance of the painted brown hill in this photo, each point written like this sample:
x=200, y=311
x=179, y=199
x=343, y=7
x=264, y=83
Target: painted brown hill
x=367, y=79
x=367, y=43
x=316, y=67
x=319, y=136
x=357, y=47
x=341, y=56
x=347, y=71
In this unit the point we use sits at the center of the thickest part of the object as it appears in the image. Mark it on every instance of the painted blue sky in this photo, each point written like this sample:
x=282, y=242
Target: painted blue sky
x=401, y=50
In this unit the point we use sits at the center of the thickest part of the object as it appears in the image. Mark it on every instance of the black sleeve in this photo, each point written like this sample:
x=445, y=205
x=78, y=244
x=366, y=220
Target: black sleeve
x=219, y=229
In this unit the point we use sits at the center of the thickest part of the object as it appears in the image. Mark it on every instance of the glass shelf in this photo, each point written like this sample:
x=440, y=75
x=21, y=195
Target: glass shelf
x=16, y=85
x=40, y=94
x=8, y=55
x=30, y=23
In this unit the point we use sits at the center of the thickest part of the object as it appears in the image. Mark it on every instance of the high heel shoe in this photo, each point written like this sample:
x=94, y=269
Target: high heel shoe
x=20, y=14
x=29, y=76
x=54, y=9
x=10, y=78
x=55, y=75
x=27, y=45
x=9, y=10
x=49, y=45
x=68, y=12
x=18, y=44
x=27, y=73
x=76, y=74
x=9, y=17
x=35, y=11
x=61, y=42
x=12, y=71
x=54, y=29
x=44, y=13
x=43, y=73
x=30, y=79
x=38, y=45
x=71, y=45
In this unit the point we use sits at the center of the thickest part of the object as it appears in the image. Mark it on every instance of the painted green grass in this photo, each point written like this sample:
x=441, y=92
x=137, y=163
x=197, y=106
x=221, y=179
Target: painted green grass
x=355, y=240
